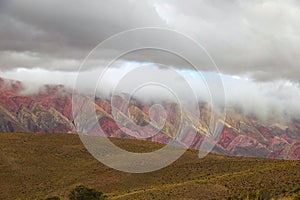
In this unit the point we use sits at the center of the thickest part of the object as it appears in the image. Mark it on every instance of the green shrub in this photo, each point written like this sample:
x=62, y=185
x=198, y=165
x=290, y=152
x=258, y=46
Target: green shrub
x=297, y=197
x=82, y=192
x=233, y=198
x=53, y=198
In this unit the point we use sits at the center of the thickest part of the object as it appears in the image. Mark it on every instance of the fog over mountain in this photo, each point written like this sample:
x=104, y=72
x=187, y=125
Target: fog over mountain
x=276, y=99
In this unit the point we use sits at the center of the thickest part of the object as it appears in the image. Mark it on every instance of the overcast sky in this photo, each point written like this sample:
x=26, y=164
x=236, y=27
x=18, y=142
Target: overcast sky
x=259, y=39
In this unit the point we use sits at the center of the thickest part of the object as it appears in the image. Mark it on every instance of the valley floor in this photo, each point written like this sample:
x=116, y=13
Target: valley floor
x=34, y=166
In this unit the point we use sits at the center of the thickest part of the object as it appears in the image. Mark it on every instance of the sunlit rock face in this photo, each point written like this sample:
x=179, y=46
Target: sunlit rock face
x=50, y=110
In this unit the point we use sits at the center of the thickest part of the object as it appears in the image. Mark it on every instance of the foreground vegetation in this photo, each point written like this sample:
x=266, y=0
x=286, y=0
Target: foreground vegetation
x=37, y=166
x=82, y=192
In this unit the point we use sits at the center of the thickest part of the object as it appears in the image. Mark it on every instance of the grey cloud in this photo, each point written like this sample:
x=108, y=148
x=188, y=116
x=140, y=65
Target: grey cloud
x=246, y=37
x=68, y=29
x=260, y=39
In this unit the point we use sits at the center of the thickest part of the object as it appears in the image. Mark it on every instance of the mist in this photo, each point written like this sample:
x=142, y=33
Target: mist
x=150, y=82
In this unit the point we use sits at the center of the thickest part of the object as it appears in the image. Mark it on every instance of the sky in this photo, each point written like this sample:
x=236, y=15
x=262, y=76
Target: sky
x=255, y=44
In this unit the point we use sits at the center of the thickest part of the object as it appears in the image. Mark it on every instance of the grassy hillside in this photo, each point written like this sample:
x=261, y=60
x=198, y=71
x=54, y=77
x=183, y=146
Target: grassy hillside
x=35, y=166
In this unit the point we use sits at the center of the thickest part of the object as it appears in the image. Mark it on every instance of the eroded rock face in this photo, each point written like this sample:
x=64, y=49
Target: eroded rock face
x=50, y=110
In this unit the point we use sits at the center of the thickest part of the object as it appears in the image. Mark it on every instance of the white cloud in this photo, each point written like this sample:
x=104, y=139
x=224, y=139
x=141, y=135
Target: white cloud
x=279, y=99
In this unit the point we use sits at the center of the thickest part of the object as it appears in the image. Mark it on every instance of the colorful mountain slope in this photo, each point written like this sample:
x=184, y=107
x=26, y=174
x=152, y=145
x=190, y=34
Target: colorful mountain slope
x=50, y=110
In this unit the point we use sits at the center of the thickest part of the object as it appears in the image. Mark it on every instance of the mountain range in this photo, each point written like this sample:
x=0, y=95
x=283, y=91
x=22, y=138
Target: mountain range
x=49, y=110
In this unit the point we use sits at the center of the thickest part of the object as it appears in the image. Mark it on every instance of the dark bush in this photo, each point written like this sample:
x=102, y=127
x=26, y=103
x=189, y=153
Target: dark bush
x=82, y=192
x=53, y=198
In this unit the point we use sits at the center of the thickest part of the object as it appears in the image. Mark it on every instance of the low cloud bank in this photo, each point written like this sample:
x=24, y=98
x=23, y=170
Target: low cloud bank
x=265, y=100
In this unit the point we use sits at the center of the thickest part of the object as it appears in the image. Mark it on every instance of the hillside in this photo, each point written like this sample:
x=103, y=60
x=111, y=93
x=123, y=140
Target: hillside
x=49, y=110
x=35, y=165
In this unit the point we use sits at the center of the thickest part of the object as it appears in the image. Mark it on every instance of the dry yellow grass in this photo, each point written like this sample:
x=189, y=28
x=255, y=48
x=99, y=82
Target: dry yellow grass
x=34, y=166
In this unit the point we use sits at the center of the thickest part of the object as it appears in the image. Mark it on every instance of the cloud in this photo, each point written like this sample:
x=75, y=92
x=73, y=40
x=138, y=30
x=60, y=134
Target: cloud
x=259, y=39
x=149, y=82
x=64, y=30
